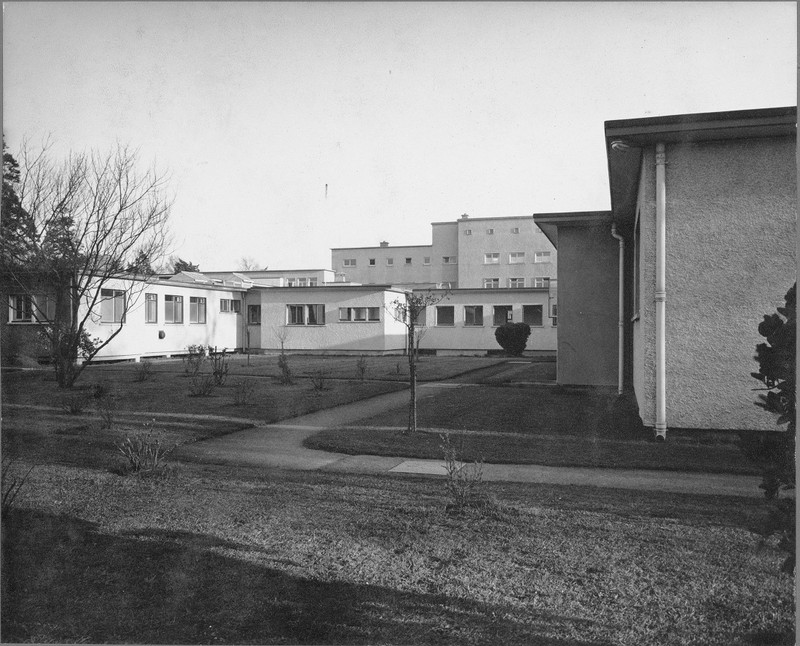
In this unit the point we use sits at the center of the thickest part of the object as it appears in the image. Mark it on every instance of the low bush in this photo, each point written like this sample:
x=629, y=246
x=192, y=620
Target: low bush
x=107, y=409
x=195, y=359
x=220, y=367
x=11, y=484
x=143, y=372
x=319, y=380
x=464, y=483
x=201, y=385
x=513, y=337
x=286, y=371
x=243, y=392
x=362, y=367
x=75, y=403
x=144, y=452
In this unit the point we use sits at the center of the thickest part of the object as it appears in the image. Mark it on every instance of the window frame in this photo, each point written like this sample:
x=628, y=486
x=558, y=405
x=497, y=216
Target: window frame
x=540, y=318
x=150, y=300
x=173, y=299
x=516, y=257
x=508, y=309
x=515, y=230
x=473, y=313
x=491, y=283
x=253, y=309
x=200, y=307
x=426, y=260
x=541, y=257
x=26, y=308
x=440, y=309
x=491, y=258
x=449, y=260
x=117, y=298
x=301, y=314
x=349, y=262
x=515, y=280
x=545, y=280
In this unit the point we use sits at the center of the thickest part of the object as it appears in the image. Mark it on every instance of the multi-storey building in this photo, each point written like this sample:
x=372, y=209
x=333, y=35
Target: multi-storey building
x=469, y=253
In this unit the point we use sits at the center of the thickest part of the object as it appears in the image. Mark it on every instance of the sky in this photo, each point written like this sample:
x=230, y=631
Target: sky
x=291, y=128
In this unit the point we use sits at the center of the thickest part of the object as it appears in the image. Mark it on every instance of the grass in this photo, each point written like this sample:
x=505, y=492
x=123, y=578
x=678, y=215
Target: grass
x=230, y=554
x=545, y=425
x=170, y=391
x=223, y=555
x=381, y=368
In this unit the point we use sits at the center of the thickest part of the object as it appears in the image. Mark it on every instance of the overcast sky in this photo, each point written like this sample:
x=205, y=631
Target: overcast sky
x=410, y=113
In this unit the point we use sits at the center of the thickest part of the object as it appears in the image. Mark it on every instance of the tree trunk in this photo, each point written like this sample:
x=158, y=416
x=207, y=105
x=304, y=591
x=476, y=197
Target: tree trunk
x=412, y=378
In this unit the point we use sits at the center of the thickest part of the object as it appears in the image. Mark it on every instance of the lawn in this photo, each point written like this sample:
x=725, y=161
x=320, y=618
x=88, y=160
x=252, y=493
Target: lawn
x=230, y=555
x=169, y=391
x=548, y=425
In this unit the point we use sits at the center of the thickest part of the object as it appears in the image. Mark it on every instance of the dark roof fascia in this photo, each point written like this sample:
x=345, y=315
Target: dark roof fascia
x=249, y=273
x=402, y=246
x=624, y=165
x=333, y=286
x=549, y=222
x=495, y=219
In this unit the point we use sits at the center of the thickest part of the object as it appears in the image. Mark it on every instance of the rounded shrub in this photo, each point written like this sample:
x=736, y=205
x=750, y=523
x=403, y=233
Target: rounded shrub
x=513, y=337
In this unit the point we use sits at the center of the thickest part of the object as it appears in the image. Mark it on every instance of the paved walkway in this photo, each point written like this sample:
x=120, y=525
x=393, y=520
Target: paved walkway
x=281, y=445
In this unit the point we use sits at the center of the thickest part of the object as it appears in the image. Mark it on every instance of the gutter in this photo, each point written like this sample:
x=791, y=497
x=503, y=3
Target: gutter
x=621, y=308
x=661, y=293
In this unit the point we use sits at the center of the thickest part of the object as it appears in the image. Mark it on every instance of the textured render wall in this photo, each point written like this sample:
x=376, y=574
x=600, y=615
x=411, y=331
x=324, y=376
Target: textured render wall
x=382, y=273
x=137, y=338
x=587, y=306
x=445, y=243
x=471, y=249
x=644, y=349
x=731, y=236
x=351, y=336
x=470, y=338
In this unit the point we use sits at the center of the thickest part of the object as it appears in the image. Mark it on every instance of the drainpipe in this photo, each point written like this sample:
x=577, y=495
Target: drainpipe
x=661, y=293
x=621, y=316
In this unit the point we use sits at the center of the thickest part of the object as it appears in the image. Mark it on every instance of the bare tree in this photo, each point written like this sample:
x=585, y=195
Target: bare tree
x=248, y=263
x=408, y=312
x=98, y=225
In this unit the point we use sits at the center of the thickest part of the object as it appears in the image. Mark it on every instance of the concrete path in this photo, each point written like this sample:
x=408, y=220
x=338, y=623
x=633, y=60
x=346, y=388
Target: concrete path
x=281, y=446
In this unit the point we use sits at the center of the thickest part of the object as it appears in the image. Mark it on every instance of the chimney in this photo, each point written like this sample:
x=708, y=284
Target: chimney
x=384, y=244
x=464, y=216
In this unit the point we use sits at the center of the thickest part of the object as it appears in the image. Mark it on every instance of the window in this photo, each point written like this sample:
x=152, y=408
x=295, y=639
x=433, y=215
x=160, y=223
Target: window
x=349, y=262
x=449, y=260
x=112, y=306
x=312, y=282
x=489, y=232
x=473, y=315
x=173, y=309
x=554, y=314
x=408, y=261
x=197, y=309
x=20, y=308
x=516, y=257
x=359, y=313
x=372, y=262
x=230, y=305
x=467, y=232
x=491, y=258
x=426, y=260
x=515, y=230
x=290, y=282
x=305, y=314
x=491, y=283
x=315, y=314
x=151, y=308
x=45, y=307
x=502, y=314
x=532, y=315
x=541, y=256
x=542, y=281
x=445, y=315
x=389, y=262
x=516, y=283
x=254, y=314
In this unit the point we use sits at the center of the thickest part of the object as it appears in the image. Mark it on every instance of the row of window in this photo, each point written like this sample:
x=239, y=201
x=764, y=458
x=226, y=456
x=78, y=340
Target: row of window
x=501, y=314
x=301, y=282
x=514, y=258
x=490, y=231
x=494, y=283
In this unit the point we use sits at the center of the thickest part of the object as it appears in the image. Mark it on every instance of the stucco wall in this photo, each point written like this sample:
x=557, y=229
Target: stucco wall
x=459, y=337
x=381, y=272
x=445, y=243
x=386, y=335
x=731, y=236
x=473, y=246
x=137, y=338
x=587, y=306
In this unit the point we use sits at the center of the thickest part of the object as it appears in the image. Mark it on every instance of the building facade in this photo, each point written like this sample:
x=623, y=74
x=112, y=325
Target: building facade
x=705, y=206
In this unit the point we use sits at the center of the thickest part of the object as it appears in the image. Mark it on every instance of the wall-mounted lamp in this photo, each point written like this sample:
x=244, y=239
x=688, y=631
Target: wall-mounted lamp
x=620, y=145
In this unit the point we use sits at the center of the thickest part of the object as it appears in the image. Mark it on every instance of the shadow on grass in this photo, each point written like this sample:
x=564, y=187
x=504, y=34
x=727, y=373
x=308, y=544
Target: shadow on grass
x=65, y=581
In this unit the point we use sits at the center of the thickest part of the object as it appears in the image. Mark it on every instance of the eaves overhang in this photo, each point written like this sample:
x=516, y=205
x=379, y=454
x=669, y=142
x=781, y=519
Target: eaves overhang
x=550, y=222
x=627, y=138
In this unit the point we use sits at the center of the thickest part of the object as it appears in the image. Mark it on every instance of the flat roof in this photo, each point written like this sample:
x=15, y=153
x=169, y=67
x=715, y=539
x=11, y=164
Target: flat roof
x=549, y=222
x=400, y=246
x=495, y=219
